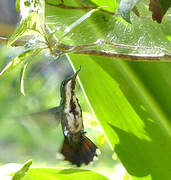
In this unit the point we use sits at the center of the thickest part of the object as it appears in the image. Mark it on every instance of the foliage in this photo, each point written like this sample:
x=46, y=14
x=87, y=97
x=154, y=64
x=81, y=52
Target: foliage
x=27, y=173
x=22, y=172
x=127, y=98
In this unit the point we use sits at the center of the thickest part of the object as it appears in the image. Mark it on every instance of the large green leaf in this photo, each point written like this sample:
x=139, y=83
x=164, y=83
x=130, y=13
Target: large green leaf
x=62, y=174
x=27, y=173
x=132, y=119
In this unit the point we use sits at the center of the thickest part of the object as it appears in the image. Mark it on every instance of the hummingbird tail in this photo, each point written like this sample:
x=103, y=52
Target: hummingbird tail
x=82, y=152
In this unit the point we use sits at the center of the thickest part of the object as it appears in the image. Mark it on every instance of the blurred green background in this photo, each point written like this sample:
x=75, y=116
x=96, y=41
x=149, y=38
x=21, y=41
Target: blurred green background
x=23, y=137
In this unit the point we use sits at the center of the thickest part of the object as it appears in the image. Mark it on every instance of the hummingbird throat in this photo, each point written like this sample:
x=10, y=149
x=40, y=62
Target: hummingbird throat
x=72, y=109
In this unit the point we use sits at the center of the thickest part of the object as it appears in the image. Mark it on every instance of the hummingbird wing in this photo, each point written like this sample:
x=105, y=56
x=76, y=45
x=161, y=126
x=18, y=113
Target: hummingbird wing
x=48, y=117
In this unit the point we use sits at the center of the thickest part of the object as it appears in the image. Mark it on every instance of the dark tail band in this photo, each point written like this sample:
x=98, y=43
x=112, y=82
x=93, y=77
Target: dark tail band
x=79, y=153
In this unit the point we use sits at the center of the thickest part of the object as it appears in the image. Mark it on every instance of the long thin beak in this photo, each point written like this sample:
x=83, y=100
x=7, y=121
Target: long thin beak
x=75, y=74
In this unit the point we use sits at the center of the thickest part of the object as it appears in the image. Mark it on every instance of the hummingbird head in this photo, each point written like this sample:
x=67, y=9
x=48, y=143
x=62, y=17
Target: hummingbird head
x=68, y=86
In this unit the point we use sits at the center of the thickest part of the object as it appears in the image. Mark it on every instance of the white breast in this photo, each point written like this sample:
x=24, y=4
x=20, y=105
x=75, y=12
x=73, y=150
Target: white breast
x=74, y=117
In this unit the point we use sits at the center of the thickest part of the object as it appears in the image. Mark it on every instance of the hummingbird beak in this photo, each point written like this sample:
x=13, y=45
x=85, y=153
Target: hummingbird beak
x=73, y=77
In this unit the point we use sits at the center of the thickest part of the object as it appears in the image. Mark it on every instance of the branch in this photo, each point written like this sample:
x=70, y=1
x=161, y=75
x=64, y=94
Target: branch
x=126, y=46
x=164, y=56
x=132, y=57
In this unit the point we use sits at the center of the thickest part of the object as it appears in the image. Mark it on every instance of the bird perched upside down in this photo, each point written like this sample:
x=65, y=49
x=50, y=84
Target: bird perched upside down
x=77, y=148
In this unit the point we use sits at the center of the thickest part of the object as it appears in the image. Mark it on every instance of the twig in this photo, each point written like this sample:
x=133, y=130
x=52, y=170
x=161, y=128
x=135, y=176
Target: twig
x=132, y=57
x=126, y=46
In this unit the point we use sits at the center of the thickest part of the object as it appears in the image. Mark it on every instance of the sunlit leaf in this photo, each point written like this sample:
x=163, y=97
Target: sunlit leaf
x=127, y=177
x=132, y=121
x=22, y=172
x=168, y=38
x=62, y=174
x=107, y=5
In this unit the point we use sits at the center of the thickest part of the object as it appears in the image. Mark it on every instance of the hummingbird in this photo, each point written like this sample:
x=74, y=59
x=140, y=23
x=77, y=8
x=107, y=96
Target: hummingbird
x=76, y=148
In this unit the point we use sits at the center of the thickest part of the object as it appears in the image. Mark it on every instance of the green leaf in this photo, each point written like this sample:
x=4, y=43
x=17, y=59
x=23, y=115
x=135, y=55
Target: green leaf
x=70, y=28
x=29, y=54
x=15, y=62
x=28, y=26
x=22, y=172
x=32, y=13
x=23, y=72
x=62, y=174
x=125, y=8
x=159, y=8
x=106, y=4
x=17, y=5
x=168, y=38
x=27, y=173
x=135, y=126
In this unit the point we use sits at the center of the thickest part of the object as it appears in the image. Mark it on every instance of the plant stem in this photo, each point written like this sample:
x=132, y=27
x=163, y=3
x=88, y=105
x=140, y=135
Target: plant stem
x=131, y=57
